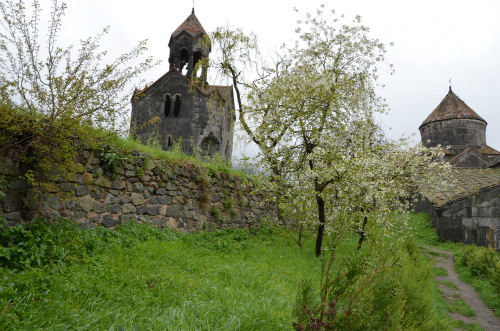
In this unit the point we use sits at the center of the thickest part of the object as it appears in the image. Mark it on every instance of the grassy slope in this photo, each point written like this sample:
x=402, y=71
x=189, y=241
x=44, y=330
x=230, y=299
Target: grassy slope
x=140, y=278
x=204, y=281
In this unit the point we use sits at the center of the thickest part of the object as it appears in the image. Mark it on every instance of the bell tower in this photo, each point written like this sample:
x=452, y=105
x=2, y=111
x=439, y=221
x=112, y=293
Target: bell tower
x=189, y=44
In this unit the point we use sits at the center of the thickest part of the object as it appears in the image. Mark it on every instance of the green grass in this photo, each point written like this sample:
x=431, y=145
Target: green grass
x=138, y=278
x=484, y=288
x=449, y=285
x=428, y=236
x=174, y=156
x=440, y=271
x=142, y=278
x=461, y=307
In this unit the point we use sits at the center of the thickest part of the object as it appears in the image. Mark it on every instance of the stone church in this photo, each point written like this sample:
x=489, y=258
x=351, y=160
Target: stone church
x=468, y=210
x=181, y=107
x=460, y=132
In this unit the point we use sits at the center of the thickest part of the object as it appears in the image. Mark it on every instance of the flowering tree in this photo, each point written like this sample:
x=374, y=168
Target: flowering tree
x=311, y=114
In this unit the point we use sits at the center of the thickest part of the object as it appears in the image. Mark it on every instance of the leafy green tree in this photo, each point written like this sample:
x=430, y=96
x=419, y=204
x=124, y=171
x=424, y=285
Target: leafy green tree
x=49, y=95
x=311, y=112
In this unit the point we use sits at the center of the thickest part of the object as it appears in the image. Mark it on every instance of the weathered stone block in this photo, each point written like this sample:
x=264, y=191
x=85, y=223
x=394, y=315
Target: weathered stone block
x=128, y=208
x=130, y=173
x=185, y=191
x=164, y=199
x=13, y=217
x=114, y=209
x=171, y=187
x=103, y=182
x=78, y=215
x=82, y=190
x=152, y=210
x=139, y=187
x=19, y=184
x=137, y=199
x=163, y=210
x=12, y=202
x=179, y=199
x=99, y=207
x=108, y=220
x=161, y=191
x=86, y=203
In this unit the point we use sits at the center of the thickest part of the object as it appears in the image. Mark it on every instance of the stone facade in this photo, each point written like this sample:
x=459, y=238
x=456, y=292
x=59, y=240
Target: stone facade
x=457, y=128
x=181, y=106
x=456, y=133
x=469, y=210
x=143, y=190
x=471, y=220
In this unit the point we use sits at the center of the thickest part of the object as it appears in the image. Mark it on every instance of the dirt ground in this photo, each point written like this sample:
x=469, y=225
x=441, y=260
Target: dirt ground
x=484, y=316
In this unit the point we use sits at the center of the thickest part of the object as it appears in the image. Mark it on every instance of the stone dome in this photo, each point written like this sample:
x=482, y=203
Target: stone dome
x=453, y=124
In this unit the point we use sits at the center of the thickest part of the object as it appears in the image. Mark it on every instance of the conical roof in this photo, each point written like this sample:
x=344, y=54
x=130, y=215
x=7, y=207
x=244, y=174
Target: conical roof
x=190, y=25
x=451, y=107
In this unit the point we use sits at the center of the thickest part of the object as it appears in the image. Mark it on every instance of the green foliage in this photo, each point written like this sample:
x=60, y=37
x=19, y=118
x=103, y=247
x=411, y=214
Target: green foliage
x=367, y=290
x=421, y=226
x=228, y=203
x=36, y=245
x=111, y=157
x=461, y=307
x=312, y=114
x=144, y=278
x=487, y=292
x=50, y=101
x=215, y=212
x=483, y=262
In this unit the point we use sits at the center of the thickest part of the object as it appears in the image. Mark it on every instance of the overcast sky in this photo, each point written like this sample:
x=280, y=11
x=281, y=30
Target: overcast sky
x=433, y=42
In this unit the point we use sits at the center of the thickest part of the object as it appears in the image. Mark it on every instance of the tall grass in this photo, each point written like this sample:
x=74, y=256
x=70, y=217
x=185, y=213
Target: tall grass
x=139, y=278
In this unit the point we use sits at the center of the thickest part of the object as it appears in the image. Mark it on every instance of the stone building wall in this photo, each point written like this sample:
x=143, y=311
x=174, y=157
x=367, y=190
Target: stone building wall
x=471, y=220
x=456, y=133
x=143, y=190
x=204, y=119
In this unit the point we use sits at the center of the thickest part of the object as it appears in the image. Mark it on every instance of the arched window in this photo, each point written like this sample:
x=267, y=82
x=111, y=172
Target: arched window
x=169, y=143
x=210, y=145
x=184, y=60
x=177, y=105
x=167, y=105
x=198, y=55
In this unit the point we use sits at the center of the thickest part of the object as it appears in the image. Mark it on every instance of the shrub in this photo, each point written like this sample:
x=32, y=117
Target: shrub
x=375, y=289
x=111, y=157
x=483, y=262
x=38, y=244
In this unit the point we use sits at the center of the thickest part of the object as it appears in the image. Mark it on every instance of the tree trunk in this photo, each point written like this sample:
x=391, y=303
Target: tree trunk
x=321, y=227
x=362, y=233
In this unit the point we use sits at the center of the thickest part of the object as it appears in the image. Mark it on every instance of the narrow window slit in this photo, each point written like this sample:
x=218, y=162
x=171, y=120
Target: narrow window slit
x=167, y=106
x=177, y=106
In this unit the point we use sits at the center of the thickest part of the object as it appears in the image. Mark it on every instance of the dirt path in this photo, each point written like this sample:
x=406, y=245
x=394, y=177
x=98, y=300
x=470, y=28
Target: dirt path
x=484, y=315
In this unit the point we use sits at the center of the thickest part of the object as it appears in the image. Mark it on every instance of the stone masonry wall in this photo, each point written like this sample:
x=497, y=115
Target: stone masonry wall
x=182, y=197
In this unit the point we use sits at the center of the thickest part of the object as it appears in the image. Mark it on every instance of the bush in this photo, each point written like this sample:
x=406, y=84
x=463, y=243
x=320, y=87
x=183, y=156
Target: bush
x=483, y=262
x=369, y=290
x=38, y=244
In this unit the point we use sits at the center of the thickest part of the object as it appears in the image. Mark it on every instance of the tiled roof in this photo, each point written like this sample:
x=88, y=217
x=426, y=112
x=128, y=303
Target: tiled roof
x=487, y=150
x=451, y=107
x=464, y=182
x=190, y=25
